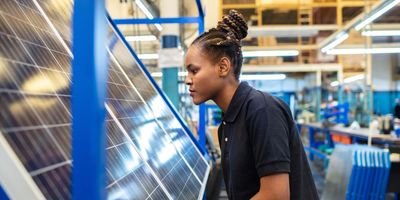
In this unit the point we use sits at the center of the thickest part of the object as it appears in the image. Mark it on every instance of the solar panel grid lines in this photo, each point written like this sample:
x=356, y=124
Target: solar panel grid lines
x=134, y=146
x=30, y=106
x=154, y=115
x=36, y=119
x=145, y=90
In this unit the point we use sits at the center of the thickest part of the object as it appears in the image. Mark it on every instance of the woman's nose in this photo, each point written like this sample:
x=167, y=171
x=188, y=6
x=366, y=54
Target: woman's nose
x=188, y=80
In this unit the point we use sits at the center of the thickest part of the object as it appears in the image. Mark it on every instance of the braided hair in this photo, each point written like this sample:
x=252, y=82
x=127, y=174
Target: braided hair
x=225, y=40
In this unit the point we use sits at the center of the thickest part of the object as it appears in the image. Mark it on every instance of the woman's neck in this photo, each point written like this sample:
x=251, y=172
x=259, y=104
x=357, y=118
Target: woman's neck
x=224, y=97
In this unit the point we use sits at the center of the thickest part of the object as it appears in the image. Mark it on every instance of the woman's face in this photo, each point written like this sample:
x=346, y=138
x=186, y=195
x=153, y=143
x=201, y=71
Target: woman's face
x=203, y=78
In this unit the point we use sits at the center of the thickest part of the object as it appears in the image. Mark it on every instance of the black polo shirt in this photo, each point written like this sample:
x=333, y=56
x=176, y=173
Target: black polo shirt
x=258, y=137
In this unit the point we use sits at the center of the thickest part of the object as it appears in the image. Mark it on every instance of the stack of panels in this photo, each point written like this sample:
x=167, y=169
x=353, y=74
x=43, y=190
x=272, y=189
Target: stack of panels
x=338, y=172
x=357, y=172
x=370, y=174
x=149, y=153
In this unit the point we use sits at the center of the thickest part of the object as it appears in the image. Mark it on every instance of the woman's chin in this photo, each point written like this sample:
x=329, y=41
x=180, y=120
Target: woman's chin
x=197, y=101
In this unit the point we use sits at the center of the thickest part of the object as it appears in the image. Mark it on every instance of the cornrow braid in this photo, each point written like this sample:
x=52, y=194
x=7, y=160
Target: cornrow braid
x=225, y=40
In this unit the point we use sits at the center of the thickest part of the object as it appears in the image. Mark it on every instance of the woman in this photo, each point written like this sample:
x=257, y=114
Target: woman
x=262, y=155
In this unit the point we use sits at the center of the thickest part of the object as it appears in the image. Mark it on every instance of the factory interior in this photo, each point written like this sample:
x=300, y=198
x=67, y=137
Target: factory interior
x=95, y=97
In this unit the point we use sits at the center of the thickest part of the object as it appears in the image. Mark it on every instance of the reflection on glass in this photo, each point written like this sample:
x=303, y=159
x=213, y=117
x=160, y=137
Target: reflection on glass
x=47, y=82
x=35, y=96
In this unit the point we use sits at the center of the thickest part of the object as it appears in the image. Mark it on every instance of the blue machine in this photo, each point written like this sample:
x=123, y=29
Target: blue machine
x=340, y=113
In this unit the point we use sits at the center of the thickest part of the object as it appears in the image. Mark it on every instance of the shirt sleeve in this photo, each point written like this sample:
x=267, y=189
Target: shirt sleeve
x=268, y=133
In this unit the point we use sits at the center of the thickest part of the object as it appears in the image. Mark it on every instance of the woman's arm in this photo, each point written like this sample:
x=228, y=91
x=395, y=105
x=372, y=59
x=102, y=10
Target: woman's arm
x=274, y=187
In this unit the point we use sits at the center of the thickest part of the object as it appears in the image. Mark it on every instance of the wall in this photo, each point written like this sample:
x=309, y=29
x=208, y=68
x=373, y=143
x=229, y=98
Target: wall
x=211, y=10
x=273, y=86
x=384, y=87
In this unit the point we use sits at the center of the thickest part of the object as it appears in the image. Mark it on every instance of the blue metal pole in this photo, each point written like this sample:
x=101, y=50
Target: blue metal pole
x=318, y=104
x=170, y=74
x=202, y=108
x=311, y=142
x=89, y=88
x=3, y=194
x=340, y=94
x=369, y=104
x=201, y=11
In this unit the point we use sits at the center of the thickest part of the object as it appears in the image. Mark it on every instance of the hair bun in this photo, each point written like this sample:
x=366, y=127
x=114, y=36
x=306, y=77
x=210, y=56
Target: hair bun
x=233, y=23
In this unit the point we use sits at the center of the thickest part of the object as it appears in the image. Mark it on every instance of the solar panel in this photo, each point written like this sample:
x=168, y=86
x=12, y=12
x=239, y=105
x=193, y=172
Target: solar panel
x=149, y=153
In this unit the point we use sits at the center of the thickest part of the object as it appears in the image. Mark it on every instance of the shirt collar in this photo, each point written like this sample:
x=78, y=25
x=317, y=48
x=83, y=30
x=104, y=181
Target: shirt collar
x=237, y=101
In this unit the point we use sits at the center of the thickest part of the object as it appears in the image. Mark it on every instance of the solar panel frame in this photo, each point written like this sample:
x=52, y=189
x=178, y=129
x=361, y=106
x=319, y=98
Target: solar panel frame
x=62, y=97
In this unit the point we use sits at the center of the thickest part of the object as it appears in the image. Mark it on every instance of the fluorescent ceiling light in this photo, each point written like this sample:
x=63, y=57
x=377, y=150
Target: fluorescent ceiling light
x=270, y=53
x=248, y=77
x=183, y=73
x=354, y=78
x=335, y=83
x=377, y=14
x=149, y=56
x=141, y=38
x=159, y=27
x=377, y=33
x=243, y=77
x=156, y=74
x=349, y=80
x=160, y=74
x=363, y=51
x=144, y=9
x=147, y=12
x=339, y=39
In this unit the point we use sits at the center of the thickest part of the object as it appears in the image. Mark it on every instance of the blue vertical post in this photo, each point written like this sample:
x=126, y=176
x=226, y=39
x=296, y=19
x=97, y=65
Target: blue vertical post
x=318, y=104
x=89, y=88
x=318, y=96
x=369, y=105
x=311, y=142
x=170, y=74
x=202, y=108
x=340, y=94
x=3, y=195
x=170, y=39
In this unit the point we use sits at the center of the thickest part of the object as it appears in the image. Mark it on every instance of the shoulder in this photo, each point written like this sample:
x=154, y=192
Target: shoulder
x=263, y=101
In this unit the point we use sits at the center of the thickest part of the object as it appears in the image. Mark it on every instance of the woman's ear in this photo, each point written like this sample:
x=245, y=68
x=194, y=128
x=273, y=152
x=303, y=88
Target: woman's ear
x=224, y=67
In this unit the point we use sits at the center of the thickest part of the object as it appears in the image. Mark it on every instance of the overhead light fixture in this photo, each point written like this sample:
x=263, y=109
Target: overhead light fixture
x=141, y=38
x=160, y=74
x=349, y=79
x=150, y=56
x=271, y=53
x=379, y=33
x=147, y=12
x=363, y=51
x=339, y=39
x=335, y=83
x=378, y=13
x=243, y=77
x=159, y=27
x=249, y=77
x=354, y=78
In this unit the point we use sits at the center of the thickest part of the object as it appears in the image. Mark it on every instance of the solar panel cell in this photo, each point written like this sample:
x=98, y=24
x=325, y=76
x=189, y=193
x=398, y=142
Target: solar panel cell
x=149, y=154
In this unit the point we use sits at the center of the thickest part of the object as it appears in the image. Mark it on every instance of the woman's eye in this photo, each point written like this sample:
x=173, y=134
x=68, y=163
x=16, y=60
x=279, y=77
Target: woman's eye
x=195, y=71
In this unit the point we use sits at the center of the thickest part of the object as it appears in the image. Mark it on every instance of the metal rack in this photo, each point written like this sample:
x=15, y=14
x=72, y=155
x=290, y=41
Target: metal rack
x=89, y=92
